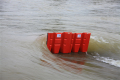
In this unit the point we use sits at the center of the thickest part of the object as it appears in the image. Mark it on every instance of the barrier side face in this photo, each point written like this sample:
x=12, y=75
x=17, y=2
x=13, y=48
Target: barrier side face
x=56, y=42
x=49, y=40
x=72, y=40
x=77, y=42
x=85, y=42
x=66, y=42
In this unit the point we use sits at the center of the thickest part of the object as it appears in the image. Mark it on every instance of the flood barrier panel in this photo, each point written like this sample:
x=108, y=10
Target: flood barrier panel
x=67, y=41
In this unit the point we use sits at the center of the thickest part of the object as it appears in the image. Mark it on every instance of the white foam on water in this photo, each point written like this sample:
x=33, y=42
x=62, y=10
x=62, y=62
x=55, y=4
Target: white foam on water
x=99, y=39
x=108, y=60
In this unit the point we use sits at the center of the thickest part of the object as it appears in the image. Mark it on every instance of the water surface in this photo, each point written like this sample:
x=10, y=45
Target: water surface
x=24, y=25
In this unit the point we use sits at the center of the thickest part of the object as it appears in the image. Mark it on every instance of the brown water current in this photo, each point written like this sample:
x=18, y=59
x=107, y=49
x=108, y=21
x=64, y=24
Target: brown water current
x=24, y=25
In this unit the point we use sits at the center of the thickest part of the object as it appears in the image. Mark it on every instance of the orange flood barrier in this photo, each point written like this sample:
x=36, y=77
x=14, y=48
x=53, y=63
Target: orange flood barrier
x=77, y=42
x=67, y=41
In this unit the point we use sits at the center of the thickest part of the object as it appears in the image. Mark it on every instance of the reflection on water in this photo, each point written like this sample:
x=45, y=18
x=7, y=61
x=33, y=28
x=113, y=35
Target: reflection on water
x=74, y=61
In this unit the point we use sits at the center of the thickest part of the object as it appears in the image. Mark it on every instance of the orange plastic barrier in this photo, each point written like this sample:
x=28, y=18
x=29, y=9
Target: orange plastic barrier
x=73, y=35
x=56, y=42
x=85, y=42
x=77, y=42
x=67, y=41
x=49, y=40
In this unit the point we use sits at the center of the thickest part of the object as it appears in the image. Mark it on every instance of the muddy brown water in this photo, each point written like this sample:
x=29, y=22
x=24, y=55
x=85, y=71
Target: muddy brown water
x=24, y=25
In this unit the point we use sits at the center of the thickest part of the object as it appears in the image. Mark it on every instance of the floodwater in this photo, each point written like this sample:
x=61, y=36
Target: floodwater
x=24, y=25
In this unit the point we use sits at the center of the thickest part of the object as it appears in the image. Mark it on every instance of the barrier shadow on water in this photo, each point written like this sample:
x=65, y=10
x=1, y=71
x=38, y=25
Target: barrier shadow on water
x=72, y=62
x=78, y=58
